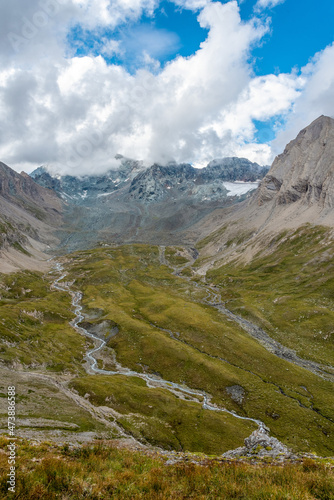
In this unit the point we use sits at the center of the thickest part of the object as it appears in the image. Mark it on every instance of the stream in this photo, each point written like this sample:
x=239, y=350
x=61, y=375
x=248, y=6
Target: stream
x=152, y=381
x=213, y=299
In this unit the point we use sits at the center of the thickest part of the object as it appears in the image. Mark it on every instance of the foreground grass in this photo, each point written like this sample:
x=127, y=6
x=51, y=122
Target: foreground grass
x=103, y=472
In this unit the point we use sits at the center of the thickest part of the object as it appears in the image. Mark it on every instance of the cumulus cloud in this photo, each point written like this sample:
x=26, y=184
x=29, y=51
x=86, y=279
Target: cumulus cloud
x=316, y=99
x=76, y=113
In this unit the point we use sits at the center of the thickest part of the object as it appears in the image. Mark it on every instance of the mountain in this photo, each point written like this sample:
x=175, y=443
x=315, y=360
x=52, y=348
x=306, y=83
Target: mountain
x=76, y=189
x=29, y=215
x=297, y=190
x=174, y=181
x=213, y=324
x=155, y=183
x=156, y=204
x=304, y=172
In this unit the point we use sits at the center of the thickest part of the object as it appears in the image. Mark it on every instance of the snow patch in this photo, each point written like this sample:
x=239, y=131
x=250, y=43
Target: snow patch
x=239, y=187
x=104, y=194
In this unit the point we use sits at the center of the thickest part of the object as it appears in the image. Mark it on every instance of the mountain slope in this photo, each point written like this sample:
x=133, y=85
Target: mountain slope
x=297, y=190
x=29, y=215
x=305, y=170
x=156, y=205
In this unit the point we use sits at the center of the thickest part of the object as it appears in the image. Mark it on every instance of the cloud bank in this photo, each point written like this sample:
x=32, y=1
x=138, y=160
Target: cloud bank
x=76, y=113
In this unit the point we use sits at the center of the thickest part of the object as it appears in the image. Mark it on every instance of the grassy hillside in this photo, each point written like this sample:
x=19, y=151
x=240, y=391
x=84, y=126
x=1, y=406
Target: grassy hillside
x=288, y=290
x=164, y=329
x=156, y=323
x=34, y=325
x=36, y=345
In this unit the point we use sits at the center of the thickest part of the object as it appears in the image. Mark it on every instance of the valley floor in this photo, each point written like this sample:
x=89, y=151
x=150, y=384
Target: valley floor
x=129, y=345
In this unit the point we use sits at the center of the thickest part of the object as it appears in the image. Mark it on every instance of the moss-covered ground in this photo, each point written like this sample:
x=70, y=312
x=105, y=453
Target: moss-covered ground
x=34, y=325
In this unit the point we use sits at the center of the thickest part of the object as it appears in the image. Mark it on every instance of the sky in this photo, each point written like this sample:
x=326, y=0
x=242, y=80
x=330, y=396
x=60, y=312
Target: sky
x=182, y=80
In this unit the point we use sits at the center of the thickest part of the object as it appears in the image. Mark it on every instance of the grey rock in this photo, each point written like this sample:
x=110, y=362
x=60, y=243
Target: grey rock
x=237, y=393
x=305, y=170
x=260, y=444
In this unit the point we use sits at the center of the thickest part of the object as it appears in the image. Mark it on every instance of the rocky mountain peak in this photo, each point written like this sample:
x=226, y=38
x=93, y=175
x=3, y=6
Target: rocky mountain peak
x=174, y=180
x=305, y=170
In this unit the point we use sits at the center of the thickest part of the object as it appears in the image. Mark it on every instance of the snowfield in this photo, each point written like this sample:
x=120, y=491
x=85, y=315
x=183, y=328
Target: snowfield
x=238, y=188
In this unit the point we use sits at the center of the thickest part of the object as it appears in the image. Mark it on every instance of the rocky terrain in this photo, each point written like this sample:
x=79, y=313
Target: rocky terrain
x=297, y=190
x=29, y=215
x=157, y=204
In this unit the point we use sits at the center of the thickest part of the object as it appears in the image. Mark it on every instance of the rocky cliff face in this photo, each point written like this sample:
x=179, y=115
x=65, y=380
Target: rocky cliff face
x=29, y=215
x=176, y=181
x=155, y=184
x=75, y=189
x=305, y=170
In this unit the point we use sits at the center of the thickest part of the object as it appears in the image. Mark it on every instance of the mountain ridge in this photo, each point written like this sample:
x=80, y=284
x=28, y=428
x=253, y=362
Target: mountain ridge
x=297, y=190
x=29, y=215
x=153, y=205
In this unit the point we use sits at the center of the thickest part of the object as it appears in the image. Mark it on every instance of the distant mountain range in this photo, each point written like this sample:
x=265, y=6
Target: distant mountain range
x=138, y=204
x=156, y=183
x=170, y=204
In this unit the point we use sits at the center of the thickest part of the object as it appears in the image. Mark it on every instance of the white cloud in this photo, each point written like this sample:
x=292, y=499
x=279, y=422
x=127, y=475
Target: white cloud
x=265, y=4
x=316, y=99
x=192, y=4
x=76, y=113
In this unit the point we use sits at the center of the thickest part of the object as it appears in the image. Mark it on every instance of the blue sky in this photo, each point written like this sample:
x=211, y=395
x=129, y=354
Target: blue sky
x=297, y=31
x=184, y=80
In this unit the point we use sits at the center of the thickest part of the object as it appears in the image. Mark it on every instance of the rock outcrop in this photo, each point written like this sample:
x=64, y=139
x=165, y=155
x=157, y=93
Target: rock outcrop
x=305, y=170
x=260, y=444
